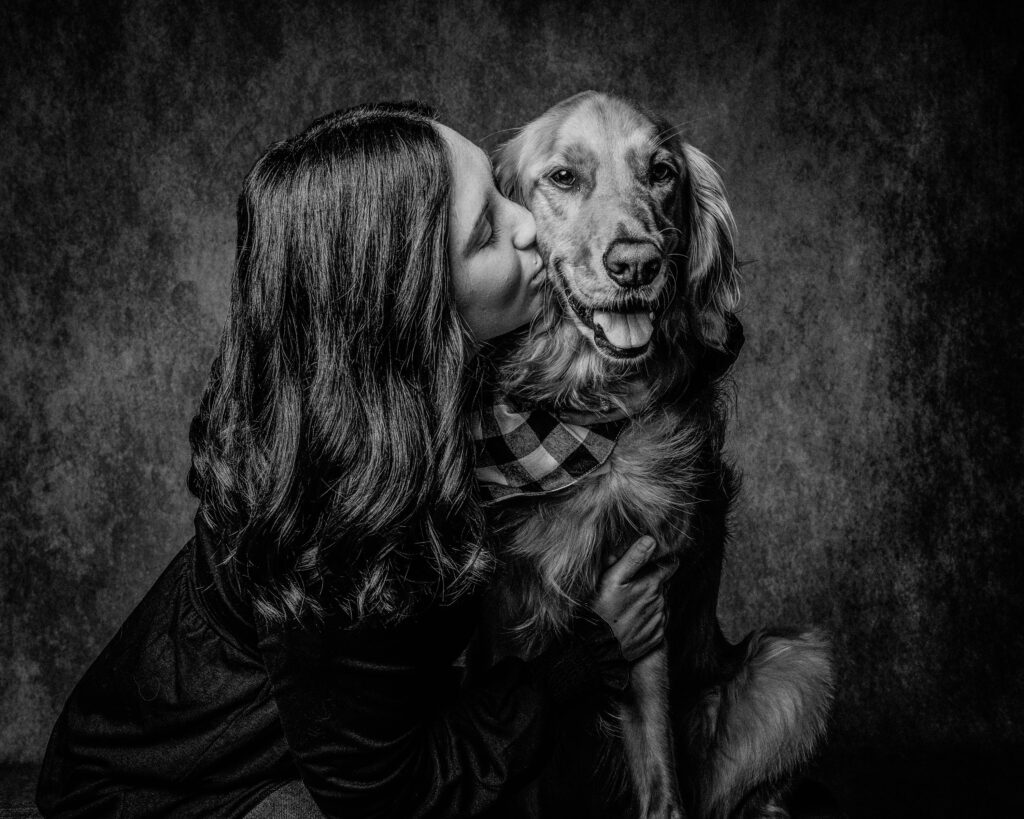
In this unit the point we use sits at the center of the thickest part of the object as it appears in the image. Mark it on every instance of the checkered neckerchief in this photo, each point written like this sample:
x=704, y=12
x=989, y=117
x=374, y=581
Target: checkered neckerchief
x=532, y=452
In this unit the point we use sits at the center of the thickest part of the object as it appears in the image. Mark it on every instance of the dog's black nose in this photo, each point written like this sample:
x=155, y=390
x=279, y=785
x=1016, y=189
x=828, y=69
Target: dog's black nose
x=632, y=264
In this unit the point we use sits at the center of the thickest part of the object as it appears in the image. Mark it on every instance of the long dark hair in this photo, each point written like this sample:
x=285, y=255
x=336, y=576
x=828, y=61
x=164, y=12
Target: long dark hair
x=330, y=453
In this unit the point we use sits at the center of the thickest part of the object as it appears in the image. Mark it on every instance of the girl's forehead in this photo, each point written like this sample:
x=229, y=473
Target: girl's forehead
x=472, y=188
x=463, y=150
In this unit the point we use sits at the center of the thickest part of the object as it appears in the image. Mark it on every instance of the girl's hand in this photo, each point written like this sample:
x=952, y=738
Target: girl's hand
x=630, y=599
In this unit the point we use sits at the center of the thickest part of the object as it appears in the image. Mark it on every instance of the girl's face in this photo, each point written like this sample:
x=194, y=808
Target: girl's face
x=497, y=273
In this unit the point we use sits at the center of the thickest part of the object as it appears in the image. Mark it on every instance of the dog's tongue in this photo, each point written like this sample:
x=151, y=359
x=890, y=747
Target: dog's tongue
x=625, y=330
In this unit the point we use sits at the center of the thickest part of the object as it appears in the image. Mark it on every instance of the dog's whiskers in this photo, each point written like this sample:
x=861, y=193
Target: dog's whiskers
x=484, y=140
x=666, y=134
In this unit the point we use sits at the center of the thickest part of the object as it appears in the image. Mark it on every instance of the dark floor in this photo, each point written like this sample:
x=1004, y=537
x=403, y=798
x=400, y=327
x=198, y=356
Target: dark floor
x=963, y=784
x=936, y=784
x=17, y=784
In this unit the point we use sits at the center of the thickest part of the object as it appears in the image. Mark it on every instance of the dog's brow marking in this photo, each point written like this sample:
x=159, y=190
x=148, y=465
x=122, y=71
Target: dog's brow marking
x=579, y=156
x=639, y=160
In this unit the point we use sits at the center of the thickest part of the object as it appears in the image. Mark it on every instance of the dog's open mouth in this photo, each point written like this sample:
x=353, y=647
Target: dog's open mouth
x=620, y=333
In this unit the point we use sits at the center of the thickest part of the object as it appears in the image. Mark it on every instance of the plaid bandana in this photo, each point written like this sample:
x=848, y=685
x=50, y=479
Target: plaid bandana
x=526, y=453
x=519, y=454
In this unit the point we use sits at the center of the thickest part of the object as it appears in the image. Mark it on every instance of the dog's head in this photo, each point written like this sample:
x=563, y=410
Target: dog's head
x=634, y=227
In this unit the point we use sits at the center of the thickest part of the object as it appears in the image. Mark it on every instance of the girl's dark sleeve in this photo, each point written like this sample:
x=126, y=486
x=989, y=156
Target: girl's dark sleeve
x=376, y=730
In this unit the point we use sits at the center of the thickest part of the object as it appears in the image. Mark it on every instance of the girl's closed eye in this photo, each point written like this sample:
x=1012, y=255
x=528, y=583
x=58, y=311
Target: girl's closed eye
x=493, y=231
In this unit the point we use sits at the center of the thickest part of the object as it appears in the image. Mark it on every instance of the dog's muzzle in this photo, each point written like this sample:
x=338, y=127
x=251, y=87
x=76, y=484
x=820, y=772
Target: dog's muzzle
x=624, y=333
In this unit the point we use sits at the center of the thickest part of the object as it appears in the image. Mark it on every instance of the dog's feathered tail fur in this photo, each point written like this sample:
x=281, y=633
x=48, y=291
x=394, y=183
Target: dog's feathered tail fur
x=769, y=718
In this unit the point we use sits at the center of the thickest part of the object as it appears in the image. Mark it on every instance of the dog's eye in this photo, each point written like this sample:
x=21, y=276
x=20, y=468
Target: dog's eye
x=563, y=177
x=662, y=172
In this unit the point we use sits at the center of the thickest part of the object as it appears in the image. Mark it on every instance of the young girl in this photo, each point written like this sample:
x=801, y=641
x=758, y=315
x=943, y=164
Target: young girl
x=307, y=631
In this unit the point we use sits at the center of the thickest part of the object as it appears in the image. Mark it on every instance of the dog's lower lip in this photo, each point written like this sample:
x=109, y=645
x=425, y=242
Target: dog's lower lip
x=583, y=313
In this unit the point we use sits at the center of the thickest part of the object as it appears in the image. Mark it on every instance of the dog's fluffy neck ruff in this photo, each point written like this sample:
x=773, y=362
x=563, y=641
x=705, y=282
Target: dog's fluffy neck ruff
x=552, y=366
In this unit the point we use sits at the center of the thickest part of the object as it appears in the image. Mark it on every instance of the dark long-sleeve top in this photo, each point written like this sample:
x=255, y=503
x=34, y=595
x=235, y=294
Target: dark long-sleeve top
x=194, y=710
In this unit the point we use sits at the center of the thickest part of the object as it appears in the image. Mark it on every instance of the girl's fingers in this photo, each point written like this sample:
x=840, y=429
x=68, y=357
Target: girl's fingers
x=651, y=608
x=651, y=627
x=632, y=562
x=652, y=643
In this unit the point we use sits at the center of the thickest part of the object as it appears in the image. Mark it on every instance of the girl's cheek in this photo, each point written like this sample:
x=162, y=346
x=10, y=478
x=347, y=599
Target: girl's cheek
x=511, y=281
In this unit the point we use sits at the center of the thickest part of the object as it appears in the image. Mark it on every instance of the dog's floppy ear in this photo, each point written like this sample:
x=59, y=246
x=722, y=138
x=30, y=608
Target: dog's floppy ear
x=712, y=274
x=508, y=167
x=517, y=162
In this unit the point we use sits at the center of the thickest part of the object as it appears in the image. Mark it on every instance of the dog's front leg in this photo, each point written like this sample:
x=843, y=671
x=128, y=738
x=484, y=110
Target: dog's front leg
x=647, y=735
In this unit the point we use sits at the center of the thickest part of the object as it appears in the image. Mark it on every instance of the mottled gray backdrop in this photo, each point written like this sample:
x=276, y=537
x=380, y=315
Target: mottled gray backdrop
x=873, y=160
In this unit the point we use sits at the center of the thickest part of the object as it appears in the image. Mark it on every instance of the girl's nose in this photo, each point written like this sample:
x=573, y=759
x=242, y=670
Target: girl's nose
x=525, y=234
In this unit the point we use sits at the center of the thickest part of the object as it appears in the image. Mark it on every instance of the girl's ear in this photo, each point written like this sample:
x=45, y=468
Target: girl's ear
x=712, y=275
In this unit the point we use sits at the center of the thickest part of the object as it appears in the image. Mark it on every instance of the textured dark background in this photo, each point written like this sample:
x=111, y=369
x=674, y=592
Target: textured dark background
x=873, y=159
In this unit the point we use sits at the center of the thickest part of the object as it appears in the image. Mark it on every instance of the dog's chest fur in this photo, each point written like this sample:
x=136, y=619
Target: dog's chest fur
x=555, y=547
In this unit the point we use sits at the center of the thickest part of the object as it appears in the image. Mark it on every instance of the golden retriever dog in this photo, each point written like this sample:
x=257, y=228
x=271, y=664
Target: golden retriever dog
x=639, y=244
